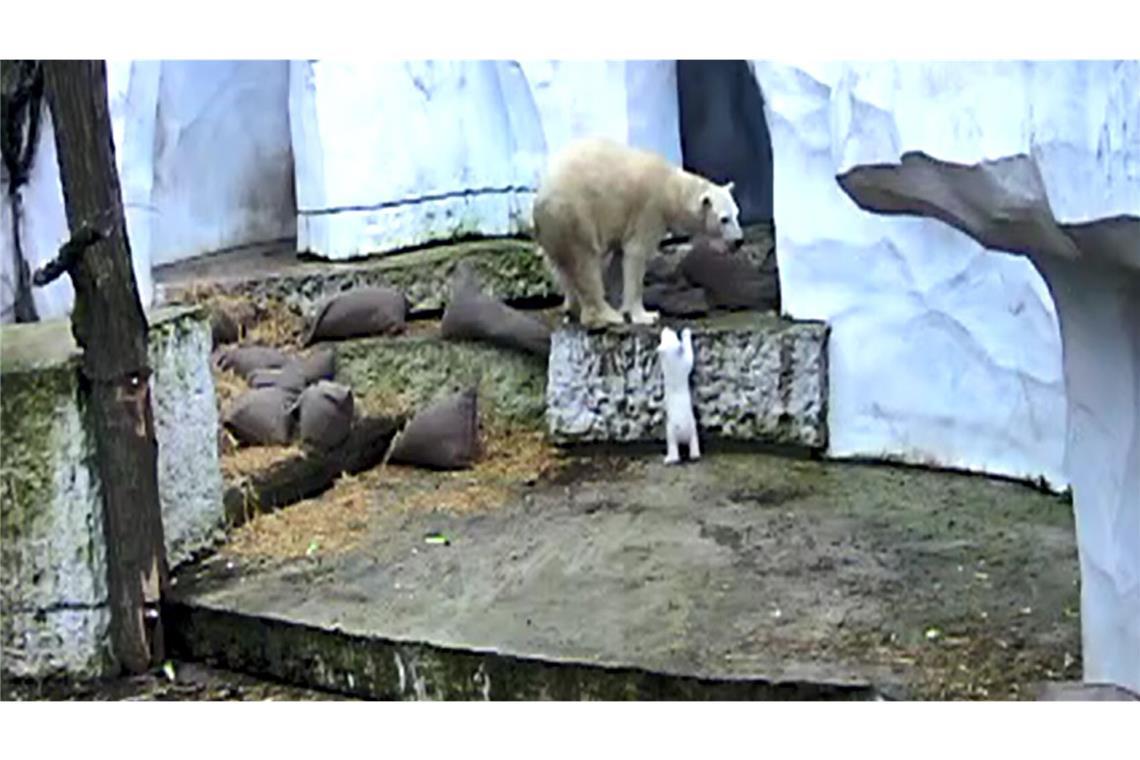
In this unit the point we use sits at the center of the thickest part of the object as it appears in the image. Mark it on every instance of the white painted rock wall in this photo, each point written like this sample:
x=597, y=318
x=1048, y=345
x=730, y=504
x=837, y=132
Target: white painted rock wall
x=223, y=171
x=392, y=155
x=204, y=156
x=1040, y=158
x=632, y=102
x=941, y=352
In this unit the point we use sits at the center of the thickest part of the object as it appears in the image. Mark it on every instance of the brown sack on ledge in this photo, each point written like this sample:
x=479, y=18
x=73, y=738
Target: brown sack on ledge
x=443, y=436
x=326, y=411
x=359, y=313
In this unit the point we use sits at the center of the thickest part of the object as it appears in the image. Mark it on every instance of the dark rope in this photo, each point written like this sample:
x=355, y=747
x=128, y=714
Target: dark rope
x=21, y=102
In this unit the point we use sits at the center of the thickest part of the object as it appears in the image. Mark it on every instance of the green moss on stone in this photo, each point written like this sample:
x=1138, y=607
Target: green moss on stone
x=512, y=385
x=29, y=404
x=508, y=269
x=40, y=376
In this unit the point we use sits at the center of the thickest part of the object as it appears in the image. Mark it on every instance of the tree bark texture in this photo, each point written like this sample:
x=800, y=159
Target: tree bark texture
x=111, y=329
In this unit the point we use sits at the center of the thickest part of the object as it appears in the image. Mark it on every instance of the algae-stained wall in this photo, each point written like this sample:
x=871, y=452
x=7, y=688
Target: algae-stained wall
x=55, y=616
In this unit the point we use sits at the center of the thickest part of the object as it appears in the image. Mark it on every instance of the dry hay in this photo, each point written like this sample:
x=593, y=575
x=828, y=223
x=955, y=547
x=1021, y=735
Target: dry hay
x=337, y=520
x=242, y=462
x=274, y=323
x=333, y=522
x=228, y=385
x=422, y=328
x=277, y=325
x=510, y=458
x=384, y=402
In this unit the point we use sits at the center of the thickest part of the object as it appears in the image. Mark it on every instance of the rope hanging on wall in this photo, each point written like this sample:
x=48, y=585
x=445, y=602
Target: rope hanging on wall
x=21, y=100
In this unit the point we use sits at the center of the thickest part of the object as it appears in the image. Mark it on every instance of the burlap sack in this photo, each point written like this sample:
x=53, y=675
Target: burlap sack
x=676, y=300
x=243, y=360
x=665, y=289
x=729, y=280
x=473, y=315
x=319, y=364
x=326, y=411
x=358, y=313
x=290, y=378
x=263, y=416
x=443, y=436
x=230, y=320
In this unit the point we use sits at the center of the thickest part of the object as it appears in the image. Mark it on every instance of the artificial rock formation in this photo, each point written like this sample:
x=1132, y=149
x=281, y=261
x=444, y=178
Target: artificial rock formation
x=1030, y=158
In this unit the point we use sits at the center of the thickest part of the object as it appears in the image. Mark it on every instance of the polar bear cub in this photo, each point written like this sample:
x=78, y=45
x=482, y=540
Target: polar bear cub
x=598, y=196
x=676, y=365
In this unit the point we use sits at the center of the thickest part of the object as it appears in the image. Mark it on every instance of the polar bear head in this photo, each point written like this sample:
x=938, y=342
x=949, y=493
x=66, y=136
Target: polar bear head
x=720, y=214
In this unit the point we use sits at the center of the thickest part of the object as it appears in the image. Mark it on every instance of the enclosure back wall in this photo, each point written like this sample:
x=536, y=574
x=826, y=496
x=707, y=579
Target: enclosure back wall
x=943, y=359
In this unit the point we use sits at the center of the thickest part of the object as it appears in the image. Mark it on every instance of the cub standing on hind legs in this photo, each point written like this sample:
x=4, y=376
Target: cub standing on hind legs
x=680, y=424
x=598, y=195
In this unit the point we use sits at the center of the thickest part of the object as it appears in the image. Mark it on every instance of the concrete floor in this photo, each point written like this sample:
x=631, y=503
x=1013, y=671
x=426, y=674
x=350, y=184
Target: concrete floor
x=743, y=565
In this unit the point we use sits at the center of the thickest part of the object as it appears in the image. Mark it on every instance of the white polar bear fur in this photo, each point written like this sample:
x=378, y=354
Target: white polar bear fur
x=680, y=424
x=598, y=196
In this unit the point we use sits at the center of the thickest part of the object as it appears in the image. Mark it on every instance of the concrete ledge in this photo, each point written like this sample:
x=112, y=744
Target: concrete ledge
x=756, y=378
x=509, y=269
x=383, y=668
x=54, y=586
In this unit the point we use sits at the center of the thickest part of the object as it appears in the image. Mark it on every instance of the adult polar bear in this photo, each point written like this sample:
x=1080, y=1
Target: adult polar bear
x=599, y=195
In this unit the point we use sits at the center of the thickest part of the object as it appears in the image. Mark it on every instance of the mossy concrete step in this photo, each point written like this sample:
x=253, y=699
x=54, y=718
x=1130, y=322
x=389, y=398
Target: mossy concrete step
x=509, y=269
x=381, y=668
x=401, y=374
x=53, y=554
x=756, y=378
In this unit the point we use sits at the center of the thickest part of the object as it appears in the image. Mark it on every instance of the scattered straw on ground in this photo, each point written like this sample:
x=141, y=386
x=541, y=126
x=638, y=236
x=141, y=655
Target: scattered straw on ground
x=277, y=325
x=384, y=402
x=338, y=520
x=422, y=327
x=228, y=386
x=332, y=523
x=510, y=458
x=274, y=323
x=250, y=460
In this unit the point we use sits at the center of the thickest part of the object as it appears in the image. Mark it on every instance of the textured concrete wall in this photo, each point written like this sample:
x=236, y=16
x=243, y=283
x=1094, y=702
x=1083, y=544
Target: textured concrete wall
x=755, y=378
x=55, y=616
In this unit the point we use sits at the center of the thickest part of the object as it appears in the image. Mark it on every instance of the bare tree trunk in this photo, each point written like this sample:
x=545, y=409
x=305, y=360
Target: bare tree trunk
x=110, y=327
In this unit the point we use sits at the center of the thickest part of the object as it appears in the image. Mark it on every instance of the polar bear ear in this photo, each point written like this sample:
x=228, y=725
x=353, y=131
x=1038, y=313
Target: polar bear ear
x=729, y=187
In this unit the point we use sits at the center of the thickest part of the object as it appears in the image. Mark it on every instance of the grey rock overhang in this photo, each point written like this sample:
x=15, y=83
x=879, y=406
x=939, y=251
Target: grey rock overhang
x=1002, y=204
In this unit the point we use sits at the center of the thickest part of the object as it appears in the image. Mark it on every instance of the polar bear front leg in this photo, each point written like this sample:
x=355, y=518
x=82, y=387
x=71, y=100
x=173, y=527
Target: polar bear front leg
x=634, y=257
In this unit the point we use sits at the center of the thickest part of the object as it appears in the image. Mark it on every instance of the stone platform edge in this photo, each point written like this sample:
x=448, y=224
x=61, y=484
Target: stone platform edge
x=757, y=378
x=379, y=668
